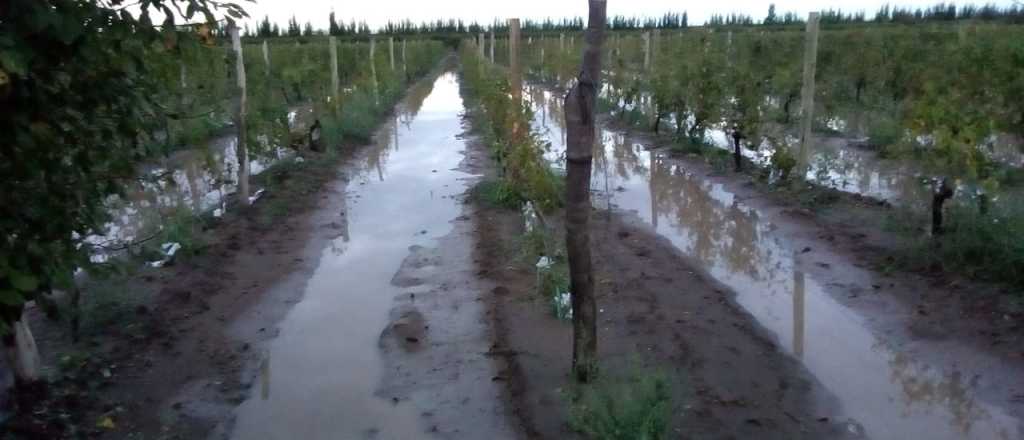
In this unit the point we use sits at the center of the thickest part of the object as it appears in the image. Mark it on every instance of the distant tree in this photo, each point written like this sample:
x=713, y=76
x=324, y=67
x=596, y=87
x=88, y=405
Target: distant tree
x=265, y=29
x=771, y=18
x=332, y=27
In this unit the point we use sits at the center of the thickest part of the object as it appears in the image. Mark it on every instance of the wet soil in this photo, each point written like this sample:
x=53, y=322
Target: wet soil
x=388, y=340
x=816, y=280
x=168, y=369
x=657, y=313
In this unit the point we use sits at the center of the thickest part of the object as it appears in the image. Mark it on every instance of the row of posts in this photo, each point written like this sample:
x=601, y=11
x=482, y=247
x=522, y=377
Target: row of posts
x=241, y=109
x=515, y=72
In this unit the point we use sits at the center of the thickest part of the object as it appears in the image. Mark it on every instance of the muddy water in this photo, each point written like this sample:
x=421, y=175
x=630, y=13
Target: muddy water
x=833, y=160
x=889, y=387
x=194, y=181
x=324, y=368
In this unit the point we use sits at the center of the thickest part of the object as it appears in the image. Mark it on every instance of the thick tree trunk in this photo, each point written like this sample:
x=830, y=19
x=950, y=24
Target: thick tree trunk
x=581, y=126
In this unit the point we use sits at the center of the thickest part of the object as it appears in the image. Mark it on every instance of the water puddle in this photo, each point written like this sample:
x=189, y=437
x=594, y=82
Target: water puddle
x=324, y=367
x=193, y=181
x=885, y=388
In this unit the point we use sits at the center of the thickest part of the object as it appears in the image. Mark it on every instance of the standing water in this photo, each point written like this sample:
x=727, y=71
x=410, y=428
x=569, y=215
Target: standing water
x=321, y=374
x=888, y=389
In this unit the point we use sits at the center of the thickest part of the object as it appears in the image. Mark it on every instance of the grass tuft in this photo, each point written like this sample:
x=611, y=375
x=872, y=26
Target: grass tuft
x=498, y=193
x=635, y=409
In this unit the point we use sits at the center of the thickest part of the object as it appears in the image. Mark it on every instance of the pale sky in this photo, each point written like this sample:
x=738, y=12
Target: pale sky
x=378, y=12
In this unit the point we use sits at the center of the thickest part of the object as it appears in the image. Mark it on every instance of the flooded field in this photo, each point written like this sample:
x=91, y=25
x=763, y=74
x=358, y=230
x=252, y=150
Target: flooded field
x=888, y=387
x=321, y=373
x=364, y=224
x=195, y=181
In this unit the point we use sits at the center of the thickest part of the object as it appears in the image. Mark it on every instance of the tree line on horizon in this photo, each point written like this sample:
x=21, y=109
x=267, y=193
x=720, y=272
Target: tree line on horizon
x=939, y=12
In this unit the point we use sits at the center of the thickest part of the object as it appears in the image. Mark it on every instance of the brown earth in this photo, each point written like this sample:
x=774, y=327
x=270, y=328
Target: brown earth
x=981, y=313
x=657, y=314
x=169, y=368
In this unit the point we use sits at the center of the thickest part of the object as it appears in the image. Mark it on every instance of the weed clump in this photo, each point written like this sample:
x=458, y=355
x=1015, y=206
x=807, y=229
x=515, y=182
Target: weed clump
x=498, y=193
x=636, y=409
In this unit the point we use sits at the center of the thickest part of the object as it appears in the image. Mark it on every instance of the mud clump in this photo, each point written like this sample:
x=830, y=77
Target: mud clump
x=407, y=330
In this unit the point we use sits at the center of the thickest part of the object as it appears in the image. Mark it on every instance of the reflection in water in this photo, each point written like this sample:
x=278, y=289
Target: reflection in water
x=326, y=360
x=798, y=314
x=887, y=391
x=196, y=180
x=833, y=161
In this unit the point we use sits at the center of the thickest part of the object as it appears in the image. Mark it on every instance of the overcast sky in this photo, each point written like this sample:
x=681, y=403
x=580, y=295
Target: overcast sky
x=378, y=12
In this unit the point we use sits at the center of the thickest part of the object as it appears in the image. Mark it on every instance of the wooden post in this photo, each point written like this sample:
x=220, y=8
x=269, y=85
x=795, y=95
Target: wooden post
x=647, y=50
x=581, y=123
x=943, y=191
x=373, y=68
x=335, y=82
x=655, y=46
x=492, y=45
x=515, y=74
x=181, y=67
x=728, y=49
x=266, y=56
x=405, y=64
x=391, y=51
x=481, y=44
x=561, y=42
x=241, y=116
x=654, y=190
x=807, y=94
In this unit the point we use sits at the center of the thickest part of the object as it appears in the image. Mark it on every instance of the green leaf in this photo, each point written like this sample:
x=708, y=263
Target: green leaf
x=14, y=61
x=11, y=298
x=24, y=283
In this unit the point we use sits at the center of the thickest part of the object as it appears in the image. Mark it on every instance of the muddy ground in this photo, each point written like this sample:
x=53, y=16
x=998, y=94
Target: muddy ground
x=470, y=345
x=947, y=302
x=657, y=314
x=168, y=368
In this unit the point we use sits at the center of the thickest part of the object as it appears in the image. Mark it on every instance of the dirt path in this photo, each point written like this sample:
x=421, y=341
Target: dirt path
x=291, y=321
x=387, y=340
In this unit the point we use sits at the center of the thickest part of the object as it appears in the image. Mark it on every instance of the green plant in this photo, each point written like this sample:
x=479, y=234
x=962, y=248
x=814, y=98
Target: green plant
x=182, y=226
x=498, y=193
x=783, y=162
x=883, y=133
x=638, y=408
x=74, y=119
